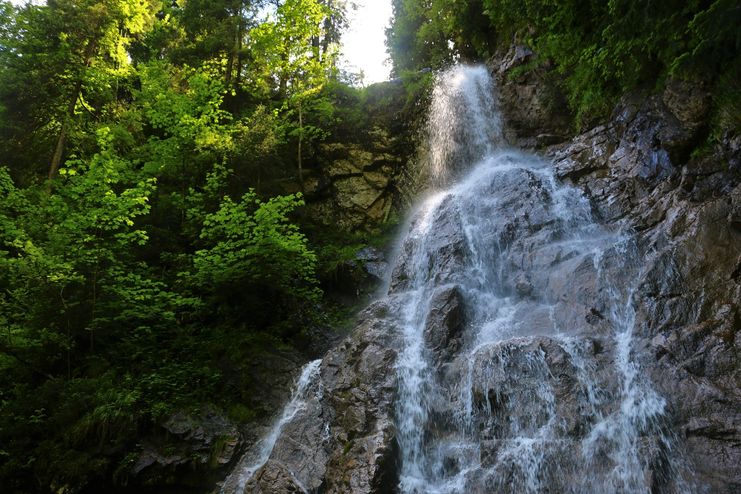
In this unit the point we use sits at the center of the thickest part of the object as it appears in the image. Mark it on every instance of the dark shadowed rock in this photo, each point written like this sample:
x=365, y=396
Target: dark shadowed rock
x=194, y=450
x=536, y=110
x=444, y=324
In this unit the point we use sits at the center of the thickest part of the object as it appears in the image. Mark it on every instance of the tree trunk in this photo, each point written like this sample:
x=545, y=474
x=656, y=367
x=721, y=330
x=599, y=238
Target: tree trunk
x=56, y=159
x=229, y=68
x=300, y=141
x=240, y=37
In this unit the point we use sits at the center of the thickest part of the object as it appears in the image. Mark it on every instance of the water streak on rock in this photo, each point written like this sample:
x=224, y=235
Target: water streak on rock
x=260, y=453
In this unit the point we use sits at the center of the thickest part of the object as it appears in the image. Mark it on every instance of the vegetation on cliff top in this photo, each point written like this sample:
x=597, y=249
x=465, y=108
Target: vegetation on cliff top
x=600, y=49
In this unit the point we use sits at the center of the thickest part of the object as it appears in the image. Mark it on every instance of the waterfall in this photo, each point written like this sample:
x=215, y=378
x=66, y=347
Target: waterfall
x=509, y=321
x=456, y=138
x=539, y=388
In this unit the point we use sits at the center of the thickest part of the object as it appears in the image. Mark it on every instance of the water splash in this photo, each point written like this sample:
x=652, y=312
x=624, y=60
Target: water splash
x=543, y=392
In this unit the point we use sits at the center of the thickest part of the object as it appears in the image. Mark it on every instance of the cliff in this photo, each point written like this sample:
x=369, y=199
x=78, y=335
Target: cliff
x=643, y=172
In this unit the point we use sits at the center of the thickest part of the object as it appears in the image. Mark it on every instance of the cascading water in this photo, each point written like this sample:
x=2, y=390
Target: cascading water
x=260, y=453
x=537, y=389
x=510, y=318
x=457, y=138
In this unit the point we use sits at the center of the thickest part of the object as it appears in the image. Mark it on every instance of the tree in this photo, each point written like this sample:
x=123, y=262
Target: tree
x=291, y=62
x=216, y=30
x=77, y=50
x=253, y=248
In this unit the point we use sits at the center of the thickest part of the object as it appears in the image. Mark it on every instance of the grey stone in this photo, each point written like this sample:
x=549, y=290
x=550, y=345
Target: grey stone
x=344, y=439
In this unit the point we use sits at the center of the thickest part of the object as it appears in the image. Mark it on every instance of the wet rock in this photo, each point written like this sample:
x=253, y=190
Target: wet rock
x=638, y=169
x=521, y=384
x=523, y=286
x=543, y=395
x=343, y=440
x=623, y=164
x=532, y=400
x=272, y=478
x=373, y=261
x=444, y=324
x=594, y=316
x=444, y=252
x=361, y=393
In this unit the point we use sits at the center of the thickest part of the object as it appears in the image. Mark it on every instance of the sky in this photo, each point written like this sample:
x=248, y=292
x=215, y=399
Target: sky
x=364, y=45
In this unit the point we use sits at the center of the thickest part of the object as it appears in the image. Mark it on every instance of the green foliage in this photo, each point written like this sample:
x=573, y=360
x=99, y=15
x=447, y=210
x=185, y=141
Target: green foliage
x=436, y=33
x=183, y=107
x=253, y=243
x=600, y=49
x=133, y=283
x=63, y=66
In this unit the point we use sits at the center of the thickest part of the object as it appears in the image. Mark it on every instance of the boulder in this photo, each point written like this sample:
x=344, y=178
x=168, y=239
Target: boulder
x=443, y=330
x=192, y=451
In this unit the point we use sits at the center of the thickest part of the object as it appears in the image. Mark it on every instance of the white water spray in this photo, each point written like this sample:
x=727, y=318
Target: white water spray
x=457, y=138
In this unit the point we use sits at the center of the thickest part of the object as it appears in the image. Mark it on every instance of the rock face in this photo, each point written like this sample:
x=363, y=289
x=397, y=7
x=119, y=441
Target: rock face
x=535, y=109
x=443, y=331
x=192, y=449
x=638, y=170
x=354, y=188
x=358, y=176
x=343, y=440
